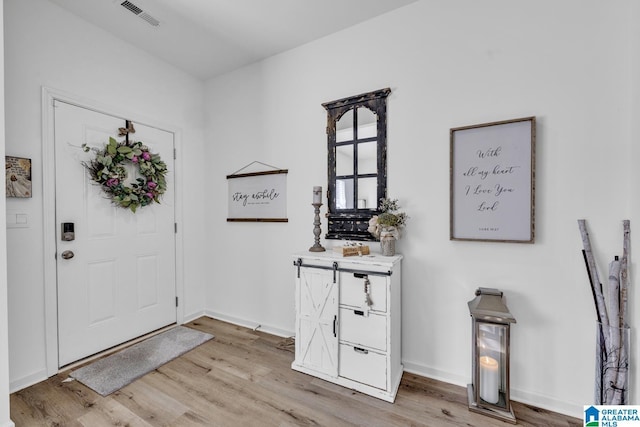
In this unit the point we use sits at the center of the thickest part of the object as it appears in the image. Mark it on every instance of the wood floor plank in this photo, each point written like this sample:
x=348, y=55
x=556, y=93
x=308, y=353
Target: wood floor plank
x=50, y=402
x=243, y=377
x=243, y=368
x=152, y=405
x=110, y=412
x=212, y=411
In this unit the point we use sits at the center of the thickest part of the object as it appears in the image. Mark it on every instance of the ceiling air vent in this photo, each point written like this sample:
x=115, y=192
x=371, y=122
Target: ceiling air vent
x=150, y=19
x=140, y=13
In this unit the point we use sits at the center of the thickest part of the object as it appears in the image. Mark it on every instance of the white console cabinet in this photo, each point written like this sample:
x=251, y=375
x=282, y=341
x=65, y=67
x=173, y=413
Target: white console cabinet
x=345, y=333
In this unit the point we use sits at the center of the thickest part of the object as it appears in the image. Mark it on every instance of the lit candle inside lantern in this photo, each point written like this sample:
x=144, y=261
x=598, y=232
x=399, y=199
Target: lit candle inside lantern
x=317, y=195
x=489, y=379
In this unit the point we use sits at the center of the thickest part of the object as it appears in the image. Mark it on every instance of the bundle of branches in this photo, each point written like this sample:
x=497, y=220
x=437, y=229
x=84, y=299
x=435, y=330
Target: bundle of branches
x=612, y=362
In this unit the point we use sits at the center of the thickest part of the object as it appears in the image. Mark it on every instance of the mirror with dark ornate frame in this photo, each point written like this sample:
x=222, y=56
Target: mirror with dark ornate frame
x=357, y=163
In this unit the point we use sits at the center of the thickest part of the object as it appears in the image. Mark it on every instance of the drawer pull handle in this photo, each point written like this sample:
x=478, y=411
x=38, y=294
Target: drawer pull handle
x=360, y=350
x=358, y=312
x=335, y=320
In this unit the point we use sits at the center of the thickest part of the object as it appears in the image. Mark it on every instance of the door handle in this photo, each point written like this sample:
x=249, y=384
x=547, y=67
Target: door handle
x=67, y=254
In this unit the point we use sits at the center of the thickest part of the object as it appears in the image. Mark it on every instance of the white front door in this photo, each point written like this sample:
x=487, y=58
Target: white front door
x=120, y=281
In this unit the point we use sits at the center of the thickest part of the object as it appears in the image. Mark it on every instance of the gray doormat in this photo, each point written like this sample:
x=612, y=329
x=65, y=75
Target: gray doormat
x=116, y=371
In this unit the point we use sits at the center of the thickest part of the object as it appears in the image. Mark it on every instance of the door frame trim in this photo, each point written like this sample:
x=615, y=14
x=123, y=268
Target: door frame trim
x=50, y=95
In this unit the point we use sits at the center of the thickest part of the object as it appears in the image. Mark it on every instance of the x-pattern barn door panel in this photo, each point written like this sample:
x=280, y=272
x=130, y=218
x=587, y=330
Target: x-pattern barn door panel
x=317, y=340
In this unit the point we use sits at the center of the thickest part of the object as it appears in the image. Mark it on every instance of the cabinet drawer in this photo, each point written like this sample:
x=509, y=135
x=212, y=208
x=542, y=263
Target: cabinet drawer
x=364, y=366
x=369, y=331
x=352, y=291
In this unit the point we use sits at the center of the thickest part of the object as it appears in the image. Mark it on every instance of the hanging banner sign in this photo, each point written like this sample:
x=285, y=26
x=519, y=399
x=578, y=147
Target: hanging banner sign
x=258, y=196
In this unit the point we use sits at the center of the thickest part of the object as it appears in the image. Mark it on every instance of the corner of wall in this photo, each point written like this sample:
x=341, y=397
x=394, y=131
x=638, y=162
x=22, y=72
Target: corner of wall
x=4, y=330
x=250, y=324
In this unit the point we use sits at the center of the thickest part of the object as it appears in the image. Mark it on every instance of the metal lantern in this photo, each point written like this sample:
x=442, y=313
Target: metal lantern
x=491, y=319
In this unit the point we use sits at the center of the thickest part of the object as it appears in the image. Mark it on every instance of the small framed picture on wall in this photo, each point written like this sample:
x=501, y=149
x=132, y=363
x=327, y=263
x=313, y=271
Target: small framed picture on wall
x=492, y=181
x=18, y=175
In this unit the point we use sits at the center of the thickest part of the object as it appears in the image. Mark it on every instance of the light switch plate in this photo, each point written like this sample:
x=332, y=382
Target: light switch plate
x=17, y=219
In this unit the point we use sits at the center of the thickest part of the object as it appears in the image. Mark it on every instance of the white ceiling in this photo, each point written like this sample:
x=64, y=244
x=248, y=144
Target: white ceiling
x=207, y=38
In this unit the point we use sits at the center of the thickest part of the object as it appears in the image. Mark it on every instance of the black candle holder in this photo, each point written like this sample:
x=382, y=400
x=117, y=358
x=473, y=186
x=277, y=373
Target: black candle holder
x=317, y=247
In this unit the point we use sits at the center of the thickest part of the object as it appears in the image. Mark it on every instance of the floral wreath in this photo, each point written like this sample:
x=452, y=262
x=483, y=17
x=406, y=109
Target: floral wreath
x=107, y=170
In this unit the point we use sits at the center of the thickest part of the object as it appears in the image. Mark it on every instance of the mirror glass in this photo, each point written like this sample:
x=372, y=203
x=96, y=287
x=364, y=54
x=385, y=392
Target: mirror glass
x=344, y=194
x=344, y=160
x=367, y=193
x=357, y=163
x=367, y=158
x=367, y=125
x=344, y=127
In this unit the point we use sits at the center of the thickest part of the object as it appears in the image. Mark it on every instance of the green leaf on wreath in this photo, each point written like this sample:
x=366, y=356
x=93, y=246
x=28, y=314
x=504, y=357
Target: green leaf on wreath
x=112, y=146
x=123, y=149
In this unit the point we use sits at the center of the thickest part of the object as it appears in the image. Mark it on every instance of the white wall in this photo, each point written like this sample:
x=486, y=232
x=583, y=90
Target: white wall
x=572, y=64
x=633, y=189
x=47, y=46
x=5, y=421
x=449, y=64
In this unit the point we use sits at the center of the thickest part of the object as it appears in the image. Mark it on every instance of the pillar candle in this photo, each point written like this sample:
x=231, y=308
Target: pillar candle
x=489, y=379
x=317, y=194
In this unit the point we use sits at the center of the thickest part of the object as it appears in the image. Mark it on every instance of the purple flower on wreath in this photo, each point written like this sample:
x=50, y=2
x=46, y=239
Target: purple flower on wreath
x=146, y=156
x=134, y=159
x=149, y=195
x=112, y=182
x=151, y=185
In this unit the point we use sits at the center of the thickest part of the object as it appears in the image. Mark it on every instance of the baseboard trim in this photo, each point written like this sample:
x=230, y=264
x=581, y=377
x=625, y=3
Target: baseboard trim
x=434, y=374
x=27, y=381
x=193, y=316
x=249, y=324
x=549, y=403
x=571, y=409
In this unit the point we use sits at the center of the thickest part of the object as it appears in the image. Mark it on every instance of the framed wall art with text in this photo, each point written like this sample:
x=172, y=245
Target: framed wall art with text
x=492, y=181
x=258, y=196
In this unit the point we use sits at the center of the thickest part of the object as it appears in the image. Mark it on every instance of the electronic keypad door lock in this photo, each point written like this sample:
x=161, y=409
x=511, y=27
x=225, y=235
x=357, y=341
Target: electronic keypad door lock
x=68, y=232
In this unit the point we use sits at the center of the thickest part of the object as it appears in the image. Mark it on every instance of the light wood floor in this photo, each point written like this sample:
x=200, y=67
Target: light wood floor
x=244, y=378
